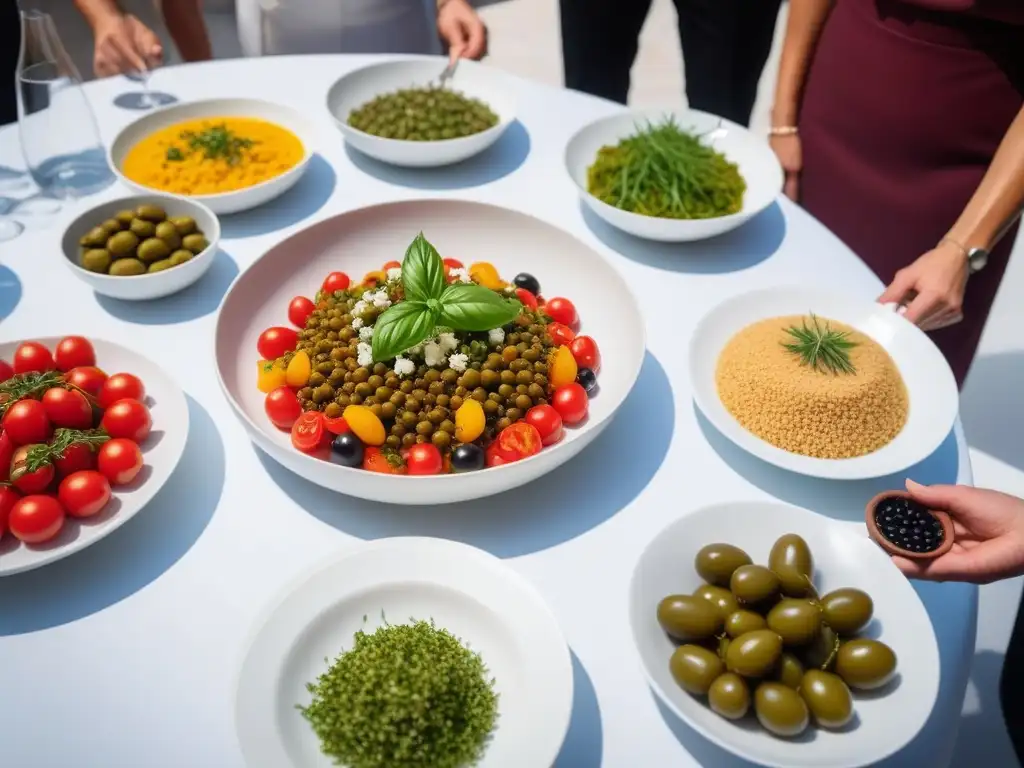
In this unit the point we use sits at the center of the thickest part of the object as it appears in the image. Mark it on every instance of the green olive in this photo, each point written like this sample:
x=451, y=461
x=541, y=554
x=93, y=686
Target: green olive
x=127, y=267
x=694, y=668
x=195, y=243
x=113, y=226
x=789, y=671
x=753, y=584
x=780, y=709
x=754, y=654
x=740, y=622
x=160, y=266
x=125, y=217
x=143, y=229
x=153, y=249
x=719, y=597
x=729, y=696
x=715, y=563
x=792, y=583
x=847, y=610
x=169, y=234
x=181, y=256
x=828, y=698
x=94, y=238
x=820, y=653
x=686, y=617
x=791, y=552
x=153, y=213
x=185, y=225
x=122, y=244
x=96, y=260
x=865, y=664
x=797, y=622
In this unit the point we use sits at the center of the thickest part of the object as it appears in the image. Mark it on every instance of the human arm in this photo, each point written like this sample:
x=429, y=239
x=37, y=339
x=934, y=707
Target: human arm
x=122, y=42
x=462, y=29
x=184, y=20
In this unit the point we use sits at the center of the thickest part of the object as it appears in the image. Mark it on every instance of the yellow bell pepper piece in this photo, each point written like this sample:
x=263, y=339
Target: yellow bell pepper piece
x=299, y=369
x=269, y=375
x=486, y=275
x=563, y=368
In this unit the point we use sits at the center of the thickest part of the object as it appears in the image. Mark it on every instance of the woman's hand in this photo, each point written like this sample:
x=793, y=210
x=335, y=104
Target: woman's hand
x=124, y=44
x=790, y=154
x=462, y=29
x=989, y=535
x=932, y=288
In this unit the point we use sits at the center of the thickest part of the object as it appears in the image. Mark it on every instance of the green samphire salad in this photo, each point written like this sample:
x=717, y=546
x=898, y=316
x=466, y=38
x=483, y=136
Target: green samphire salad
x=423, y=114
x=666, y=172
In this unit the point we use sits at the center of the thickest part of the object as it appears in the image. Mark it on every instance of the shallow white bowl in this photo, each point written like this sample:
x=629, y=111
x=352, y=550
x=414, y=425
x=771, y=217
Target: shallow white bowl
x=161, y=451
x=147, y=286
x=470, y=593
x=886, y=720
x=757, y=163
x=223, y=202
x=363, y=240
x=474, y=80
x=934, y=398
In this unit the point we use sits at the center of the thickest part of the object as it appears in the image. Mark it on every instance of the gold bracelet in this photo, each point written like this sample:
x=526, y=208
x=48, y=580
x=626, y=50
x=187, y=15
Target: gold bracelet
x=783, y=130
x=959, y=246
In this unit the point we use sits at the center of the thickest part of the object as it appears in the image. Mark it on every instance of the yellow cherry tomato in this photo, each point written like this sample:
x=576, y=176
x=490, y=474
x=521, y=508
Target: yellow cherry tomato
x=299, y=368
x=563, y=369
x=364, y=424
x=270, y=376
x=376, y=277
x=486, y=275
x=469, y=421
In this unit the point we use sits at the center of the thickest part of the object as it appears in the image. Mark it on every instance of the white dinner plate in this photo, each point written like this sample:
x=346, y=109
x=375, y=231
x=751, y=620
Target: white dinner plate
x=469, y=592
x=886, y=720
x=931, y=387
x=161, y=451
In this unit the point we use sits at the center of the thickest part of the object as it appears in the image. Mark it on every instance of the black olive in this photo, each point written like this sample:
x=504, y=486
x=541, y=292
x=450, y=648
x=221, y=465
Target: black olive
x=587, y=379
x=347, y=450
x=527, y=281
x=467, y=457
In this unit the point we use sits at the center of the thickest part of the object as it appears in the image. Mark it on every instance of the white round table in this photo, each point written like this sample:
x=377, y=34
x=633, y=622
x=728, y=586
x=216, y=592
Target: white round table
x=124, y=655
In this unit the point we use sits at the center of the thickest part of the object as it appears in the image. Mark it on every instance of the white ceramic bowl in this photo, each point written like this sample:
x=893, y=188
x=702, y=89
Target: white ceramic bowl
x=223, y=202
x=470, y=593
x=146, y=286
x=934, y=397
x=474, y=80
x=161, y=451
x=757, y=163
x=363, y=240
x=886, y=720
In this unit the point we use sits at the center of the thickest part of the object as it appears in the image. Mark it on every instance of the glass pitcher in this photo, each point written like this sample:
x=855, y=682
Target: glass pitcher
x=59, y=136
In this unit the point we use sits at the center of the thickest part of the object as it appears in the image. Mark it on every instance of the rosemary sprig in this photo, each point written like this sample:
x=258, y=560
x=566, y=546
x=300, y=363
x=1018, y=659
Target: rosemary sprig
x=821, y=347
x=41, y=454
x=31, y=385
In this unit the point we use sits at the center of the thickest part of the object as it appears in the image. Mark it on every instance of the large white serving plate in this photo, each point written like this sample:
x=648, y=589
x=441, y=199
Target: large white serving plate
x=757, y=164
x=222, y=202
x=477, y=81
x=470, y=593
x=363, y=240
x=934, y=397
x=886, y=720
x=161, y=451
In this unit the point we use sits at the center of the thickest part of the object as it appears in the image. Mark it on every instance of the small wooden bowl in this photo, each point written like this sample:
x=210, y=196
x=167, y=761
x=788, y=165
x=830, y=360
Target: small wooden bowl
x=892, y=549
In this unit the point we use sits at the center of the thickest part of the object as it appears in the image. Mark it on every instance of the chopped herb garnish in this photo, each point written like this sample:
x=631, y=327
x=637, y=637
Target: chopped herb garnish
x=215, y=143
x=821, y=347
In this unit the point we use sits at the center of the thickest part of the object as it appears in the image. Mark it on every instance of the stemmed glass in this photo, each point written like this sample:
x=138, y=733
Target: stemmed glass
x=146, y=98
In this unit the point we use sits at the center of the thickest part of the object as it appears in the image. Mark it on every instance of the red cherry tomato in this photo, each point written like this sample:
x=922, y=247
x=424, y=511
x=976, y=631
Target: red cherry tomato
x=454, y=264
x=119, y=460
x=26, y=422
x=391, y=265
x=336, y=281
x=32, y=356
x=424, y=459
x=72, y=352
x=587, y=355
x=35, y=519
x=121, y=386
x=67, y=408
x=6, y=371
x=87, y=378
x=562, y=311
x=299, y=310
x=77, y=457
x=7, y=447
x=308, y=431
x=491, y=456
x=274, y=342
x=282, y=407
x=561, y=334
x=528, y=299
x=8, y=498
x=337, y=425
x=127, y=418
x=83, y=494
x=571, y=402
x=518, y=441
x=36, y=481
x=375, y=460
x=548, y=423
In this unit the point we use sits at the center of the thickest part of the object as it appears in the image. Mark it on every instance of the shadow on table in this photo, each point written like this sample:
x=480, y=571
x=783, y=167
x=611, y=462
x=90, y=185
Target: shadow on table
x=10, y=291
x=199, y=299
x=307, y=197
x=554, y=509
x=132, y=556
x=991, y=407
x=982, y=739
x=843, y=499
x=500, y=159
x=700, y=749
x=584, y=743
x=739, y=249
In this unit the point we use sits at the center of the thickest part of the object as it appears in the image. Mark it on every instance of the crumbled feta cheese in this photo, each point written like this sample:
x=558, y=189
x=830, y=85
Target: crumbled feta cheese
x=394, y=274
x=357, y=323
x=404, y=367
x=432, y=354
x=366, y=333
x=359, y=308
x=380, y=299
x=364, y=354
x=458, y=362
x=447, y=341
x=461, y=274
x=496, y=335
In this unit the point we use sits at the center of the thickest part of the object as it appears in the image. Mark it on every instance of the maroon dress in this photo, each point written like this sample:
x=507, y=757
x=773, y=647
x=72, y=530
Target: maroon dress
x=905, y=104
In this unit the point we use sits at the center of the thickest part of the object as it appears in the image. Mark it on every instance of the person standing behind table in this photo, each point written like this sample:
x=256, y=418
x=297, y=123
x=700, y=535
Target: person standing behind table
x=725, y=46
x=900, y=127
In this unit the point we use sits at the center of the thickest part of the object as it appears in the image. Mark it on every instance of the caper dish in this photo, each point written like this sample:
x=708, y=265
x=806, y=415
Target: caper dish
x=423, y=114
x=759, y=640
x=139, y=242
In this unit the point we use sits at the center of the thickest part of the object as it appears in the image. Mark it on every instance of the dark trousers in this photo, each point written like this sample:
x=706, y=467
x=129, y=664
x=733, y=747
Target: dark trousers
x=725, y=46
x=1011, y=686
x=10, y=43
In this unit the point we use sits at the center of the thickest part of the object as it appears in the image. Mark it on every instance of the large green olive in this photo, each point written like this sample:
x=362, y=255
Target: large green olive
x=113, y=226
x=95, y=238
x=153, y=213
x=185, y=225
x=791, y=551
x=716, y=562
x=792, y=583
x=153, y=249
x=754, y=654
x=125, y=217
x=797, y=622
x=820, y=653
x=721, y=598
x=789, y=671
x=729, y=696
x=143, y=229
x=160, y=266
x=740, y=622
x=127, y=268
x=865, y=664
x=96, y=260
x=847, y=610
x=181, y=256
x=195, y=243
x=686, y=617
x=122, y=244
x=753, y=584
x=167, y=232
x=780, y=709
x=828, y=698
x=695, y=668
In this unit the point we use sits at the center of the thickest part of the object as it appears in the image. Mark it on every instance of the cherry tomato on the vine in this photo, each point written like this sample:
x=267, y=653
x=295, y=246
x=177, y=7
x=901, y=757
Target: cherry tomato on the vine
x=26, y=422
x=7, y=447
x=308, y=431
x=35, y=519
x=587, y=355
x=561, y=335
x=121, y=386
x=562, y=311
x=36, y=481
x=83, y=494
x=336, y=281
x=32, y=356
x=274, y=342
x=88, y=378
x=72, y=352
x=571, y=402
x=127, y=418
x=518, y=441
x=8, y=498
x=77, y=457
x=548, y=423
x=6, y=371
x=119, y=460
x=282, y=407
x=528, y=299
x=299, y=310
x=424, y=459
x=67, y=408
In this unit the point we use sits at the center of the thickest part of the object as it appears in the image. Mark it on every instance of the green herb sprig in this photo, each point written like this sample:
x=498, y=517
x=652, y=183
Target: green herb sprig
x=821, y=347
x=216, y=143
x=42, y=454
x=32, y=385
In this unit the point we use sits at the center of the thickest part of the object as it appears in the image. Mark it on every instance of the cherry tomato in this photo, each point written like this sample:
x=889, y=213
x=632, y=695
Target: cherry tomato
x=77, y=457
x=83, y=494
x=36, y=481
x=518, y=441
x=337, y=425
x=375, y=460
x=308, y=431
x=492, y=458
x=32, y=356
x=424, y=459
x=121, y=386
x=72, y=352
x=35, y=519
x=26, y=422
x=571, y=402
x=6, y=371
x=548, y=423
x=391, y=265
x=299, y=310
x=87, y=378
x=8, y=498
x=587, y=355
x=561, y=335
x=562, y=311
x=7, y=447
x=454, y=264
x=67, y=408
x=336, y=281
x=119, y=460
x=528, y=299
x=282, y=407
x=274, y=342
x=127, y=418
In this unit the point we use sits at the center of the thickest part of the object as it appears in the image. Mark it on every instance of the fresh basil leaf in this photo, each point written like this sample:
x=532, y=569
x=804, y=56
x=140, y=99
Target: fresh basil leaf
x=423, y=271
x=401, y=326
x=468, y=307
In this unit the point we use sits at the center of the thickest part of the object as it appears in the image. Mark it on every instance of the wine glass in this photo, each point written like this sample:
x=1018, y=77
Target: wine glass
x=146, y=98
